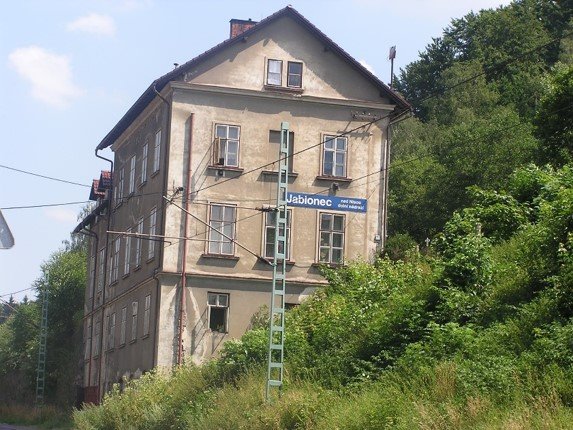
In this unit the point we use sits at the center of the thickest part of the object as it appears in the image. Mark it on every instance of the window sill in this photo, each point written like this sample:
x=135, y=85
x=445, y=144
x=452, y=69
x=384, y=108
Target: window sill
x=154, y=174
x=150, y=259
x=145, y=336
x=122, y=345
x=132, y=341
x=141, y=184
x=333, y=178
x=226, y=168
x=220, y=256
x=113, y=283
x=111, y=349
x=272, y=261
x=281, y=89
x=291, y=175
x=329, y=265
x=136, y=268
x=125, y=275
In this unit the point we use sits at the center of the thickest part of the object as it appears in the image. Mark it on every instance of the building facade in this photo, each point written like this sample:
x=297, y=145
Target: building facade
x=182, y=235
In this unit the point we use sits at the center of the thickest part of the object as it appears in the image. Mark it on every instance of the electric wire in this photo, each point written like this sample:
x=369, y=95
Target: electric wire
x=439, y=93
x=44, y=176
x=16, y=292
x=45, y=205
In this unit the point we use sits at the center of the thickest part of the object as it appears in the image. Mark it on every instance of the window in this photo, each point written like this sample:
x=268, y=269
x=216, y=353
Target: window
x=331, y=238
x=127, y=253
x=101, y=270
x=274, y=72
x=114, y=260
x=132, y=175
x=157, y=151
x=226, y=148
x=146, y=312
x=92, y=276
x=152, y=228
x=111, y=332
x=143, y=177
x=334, y=156
x=120, y=186
x=275, y=137
x=88, y=338
x=95, y=346
x=134, y=306
x=218, y=311
x=221, y=221
x=294, y=74
x=138, y=230
x=270, y=219
x=123, y=326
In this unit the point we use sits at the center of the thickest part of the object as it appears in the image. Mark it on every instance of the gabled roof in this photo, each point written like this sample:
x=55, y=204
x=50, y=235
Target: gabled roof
x=160, y=83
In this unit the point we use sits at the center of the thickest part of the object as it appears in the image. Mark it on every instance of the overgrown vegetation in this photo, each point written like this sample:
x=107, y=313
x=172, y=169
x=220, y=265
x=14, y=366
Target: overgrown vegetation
x=478, y=333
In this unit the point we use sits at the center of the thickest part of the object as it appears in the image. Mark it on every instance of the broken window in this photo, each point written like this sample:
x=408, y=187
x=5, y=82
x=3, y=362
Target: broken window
x=218, y=311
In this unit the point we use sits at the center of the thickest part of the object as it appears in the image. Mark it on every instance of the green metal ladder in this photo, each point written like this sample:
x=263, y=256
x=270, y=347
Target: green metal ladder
x=275, y=371
x=41, y=371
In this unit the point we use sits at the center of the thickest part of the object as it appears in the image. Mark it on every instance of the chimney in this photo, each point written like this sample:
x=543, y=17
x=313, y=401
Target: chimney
x=239, y=26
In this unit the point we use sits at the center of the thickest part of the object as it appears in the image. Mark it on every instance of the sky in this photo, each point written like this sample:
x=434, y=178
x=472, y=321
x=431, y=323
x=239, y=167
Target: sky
x=70, y=69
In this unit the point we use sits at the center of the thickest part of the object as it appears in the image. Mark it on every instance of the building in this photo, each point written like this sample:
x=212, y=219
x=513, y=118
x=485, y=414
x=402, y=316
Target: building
x=195, y=165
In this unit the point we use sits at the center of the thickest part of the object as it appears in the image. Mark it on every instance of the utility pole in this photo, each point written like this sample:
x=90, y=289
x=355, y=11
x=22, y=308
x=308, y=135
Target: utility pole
x=41, y=371
x=275, y=370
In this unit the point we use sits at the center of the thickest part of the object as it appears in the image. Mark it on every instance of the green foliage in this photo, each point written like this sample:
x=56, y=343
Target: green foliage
x=553, y=119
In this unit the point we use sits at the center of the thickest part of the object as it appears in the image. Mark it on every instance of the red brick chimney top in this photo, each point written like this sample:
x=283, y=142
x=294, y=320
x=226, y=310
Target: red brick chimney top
x=239, y=26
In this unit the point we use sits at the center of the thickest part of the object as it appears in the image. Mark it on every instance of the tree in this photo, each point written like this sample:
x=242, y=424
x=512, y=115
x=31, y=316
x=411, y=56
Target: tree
x=553, y=119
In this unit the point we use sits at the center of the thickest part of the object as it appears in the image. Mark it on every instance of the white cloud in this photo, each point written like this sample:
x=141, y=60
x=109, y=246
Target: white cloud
x=94, y=23
x=367, y=66
x=61, y=215
x=50, y=75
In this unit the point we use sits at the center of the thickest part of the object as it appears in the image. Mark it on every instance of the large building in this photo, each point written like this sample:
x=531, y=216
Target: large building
x=183, y=229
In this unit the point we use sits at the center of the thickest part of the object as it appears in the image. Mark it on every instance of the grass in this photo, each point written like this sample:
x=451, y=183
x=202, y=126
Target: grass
x=48, y=417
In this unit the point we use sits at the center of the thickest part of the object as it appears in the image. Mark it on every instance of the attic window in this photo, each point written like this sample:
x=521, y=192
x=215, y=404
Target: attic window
x=274, y=72
x=294, y=77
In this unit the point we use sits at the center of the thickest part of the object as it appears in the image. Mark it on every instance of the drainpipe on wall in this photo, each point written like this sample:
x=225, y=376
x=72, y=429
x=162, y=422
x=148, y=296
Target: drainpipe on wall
x=101, y=352
x=386, y=166
x=185, y=203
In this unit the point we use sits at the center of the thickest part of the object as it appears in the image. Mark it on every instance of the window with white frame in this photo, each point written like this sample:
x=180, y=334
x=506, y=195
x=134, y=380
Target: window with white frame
x=331, y=238
x=122, y=328
x=226, y=148
x=111, y=332
x=157, y=151
x=120, y=186
x=269, y=234
x=88, y=338
x=152, y=230
x=274, y=72
x=114, y=272
x=294, y=74
x=334, y=156
x=101, y=270
x=127, y=253
x=146, y=315
x=134, y=306
x=143, y=176
x=95, y=345
x=218, y=305
x=222, y=222
x=131, y=175
x=138, y=242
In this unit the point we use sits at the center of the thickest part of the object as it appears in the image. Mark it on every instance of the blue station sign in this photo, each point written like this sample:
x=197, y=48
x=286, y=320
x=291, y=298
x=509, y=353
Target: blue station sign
x=319, y=201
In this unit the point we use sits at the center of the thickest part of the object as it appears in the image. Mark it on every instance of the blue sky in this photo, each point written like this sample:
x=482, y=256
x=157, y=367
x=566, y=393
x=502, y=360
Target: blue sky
x=71, y=68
